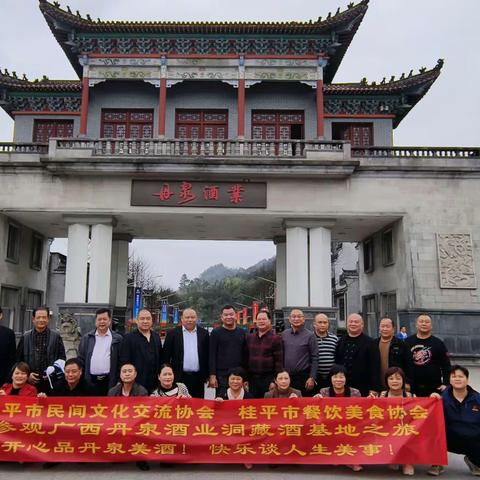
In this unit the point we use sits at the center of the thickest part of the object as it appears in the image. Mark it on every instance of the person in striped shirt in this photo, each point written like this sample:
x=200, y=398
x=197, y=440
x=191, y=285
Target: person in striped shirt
x=326, y=343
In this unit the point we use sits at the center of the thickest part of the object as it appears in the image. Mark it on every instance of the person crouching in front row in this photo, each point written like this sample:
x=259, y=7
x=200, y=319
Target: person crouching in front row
x=127, y=386
x=167, y=387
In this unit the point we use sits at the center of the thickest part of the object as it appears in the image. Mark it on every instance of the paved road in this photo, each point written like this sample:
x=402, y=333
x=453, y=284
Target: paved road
x=456, y=470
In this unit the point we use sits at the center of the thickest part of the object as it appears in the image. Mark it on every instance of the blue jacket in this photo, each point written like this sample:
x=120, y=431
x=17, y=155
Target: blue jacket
x=462, y=419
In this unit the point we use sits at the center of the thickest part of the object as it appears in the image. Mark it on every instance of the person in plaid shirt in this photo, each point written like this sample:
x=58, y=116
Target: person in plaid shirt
x=265, y=355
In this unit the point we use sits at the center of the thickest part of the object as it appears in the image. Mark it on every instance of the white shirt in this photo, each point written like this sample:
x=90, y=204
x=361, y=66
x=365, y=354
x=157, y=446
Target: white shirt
x=100, y=361
x=191, y=362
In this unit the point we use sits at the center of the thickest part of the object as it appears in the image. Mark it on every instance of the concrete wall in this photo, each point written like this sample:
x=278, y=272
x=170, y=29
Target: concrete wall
x=202, y=95
x=111, y=94
x=347, y=259
x=56, y=284
x=23, y=129
x=388, y=278
x=382, y=129
x=21, y=275
x=282, y=96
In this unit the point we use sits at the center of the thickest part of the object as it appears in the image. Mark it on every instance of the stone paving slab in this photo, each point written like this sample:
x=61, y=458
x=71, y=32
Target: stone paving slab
x=456, y=470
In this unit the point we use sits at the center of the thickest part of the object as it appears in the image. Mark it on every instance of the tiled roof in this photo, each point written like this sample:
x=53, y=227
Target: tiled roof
x=12, y=82
x=342, y=24
x=405, y=84
x=52, y=11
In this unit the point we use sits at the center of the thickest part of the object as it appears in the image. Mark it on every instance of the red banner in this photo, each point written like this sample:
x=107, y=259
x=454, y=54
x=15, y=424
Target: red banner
x=303, y=430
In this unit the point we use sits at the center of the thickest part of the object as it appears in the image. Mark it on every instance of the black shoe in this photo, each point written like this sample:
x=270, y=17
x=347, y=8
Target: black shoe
x=143, y=466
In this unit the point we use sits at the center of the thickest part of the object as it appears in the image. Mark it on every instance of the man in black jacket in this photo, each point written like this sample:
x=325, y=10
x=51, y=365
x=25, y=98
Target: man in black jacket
x=143, y=349
x=393, y=351
x=40, y=347
x=186, y=349
x=7, y=351
x=358, y=353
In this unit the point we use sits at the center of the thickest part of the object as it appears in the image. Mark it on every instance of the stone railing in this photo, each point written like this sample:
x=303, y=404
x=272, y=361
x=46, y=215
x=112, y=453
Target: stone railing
x=417, y=152
x=10, y=147
x=200, y=148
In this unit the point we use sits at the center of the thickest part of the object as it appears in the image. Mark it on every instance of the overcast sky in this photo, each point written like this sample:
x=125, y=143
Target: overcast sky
x=394, y=37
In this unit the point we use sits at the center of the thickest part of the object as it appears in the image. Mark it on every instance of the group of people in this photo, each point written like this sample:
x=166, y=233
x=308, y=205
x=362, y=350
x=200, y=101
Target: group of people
x=240, y=365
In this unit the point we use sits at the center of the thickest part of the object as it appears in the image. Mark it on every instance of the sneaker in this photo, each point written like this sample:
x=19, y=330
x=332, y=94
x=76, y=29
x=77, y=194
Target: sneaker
x=473, y=468
x=436, y=470
x=408, y=470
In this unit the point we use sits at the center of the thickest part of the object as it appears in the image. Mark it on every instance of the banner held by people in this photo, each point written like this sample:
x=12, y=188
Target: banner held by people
x=280, y=431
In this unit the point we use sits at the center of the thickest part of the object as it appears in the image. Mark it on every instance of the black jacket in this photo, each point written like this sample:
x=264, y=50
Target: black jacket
x=173, y=350
x=399, y=356
x=364, y=371
x=55, y=349
x=83, y=389
x=7, y=353
x=134, y=350
x=85, y=350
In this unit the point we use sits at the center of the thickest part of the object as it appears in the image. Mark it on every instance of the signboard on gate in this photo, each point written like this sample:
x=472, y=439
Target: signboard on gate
x=186, y=193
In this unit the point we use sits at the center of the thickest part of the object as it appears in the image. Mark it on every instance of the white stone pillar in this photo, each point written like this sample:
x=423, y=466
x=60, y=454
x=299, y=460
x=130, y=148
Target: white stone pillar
x=100, y=263
x=320, y=267
x=281, y=273
x=77, y=260
x=297, y=266
x=119, y=271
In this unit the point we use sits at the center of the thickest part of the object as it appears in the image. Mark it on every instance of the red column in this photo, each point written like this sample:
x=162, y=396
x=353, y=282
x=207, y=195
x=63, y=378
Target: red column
x=84, y=107
x=162, y=107
x=241, y=108
x=320, y=111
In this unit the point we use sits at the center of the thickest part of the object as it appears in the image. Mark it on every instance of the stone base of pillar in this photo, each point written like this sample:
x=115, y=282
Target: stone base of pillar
x=120, y=319
x=309, y=313
x=83, y=313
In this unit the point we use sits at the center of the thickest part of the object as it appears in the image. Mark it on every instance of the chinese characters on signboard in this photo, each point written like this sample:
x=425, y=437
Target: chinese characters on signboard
x=198, y=194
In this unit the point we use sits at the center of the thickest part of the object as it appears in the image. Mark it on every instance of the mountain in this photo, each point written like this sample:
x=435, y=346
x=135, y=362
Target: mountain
x=220, y=271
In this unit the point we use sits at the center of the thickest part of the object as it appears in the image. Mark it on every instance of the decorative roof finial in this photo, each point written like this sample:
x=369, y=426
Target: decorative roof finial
x=392, y=79
x=329, y=15
x=350, y=5
x=14, y=74
x=89, y=18
x=45, y=78
x=25, y=78
x=410, y=73
x=69, y=10
x=338, y=11
x=384, y=80
x=440, y=63
x=364, y=81
x=319, y=19
x=6, y=72
x=78, y=14
x=403, y=76
x=56, y=4
x=423, y=70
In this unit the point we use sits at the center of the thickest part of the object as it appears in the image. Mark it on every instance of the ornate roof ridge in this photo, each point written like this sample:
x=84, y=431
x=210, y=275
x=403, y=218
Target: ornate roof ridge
x=76, y=19
x=405, y=82
x=12, y=81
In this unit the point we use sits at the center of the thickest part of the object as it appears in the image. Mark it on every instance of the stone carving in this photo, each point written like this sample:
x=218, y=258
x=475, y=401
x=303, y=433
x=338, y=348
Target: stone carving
x=455, y=261
x=70, y=333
